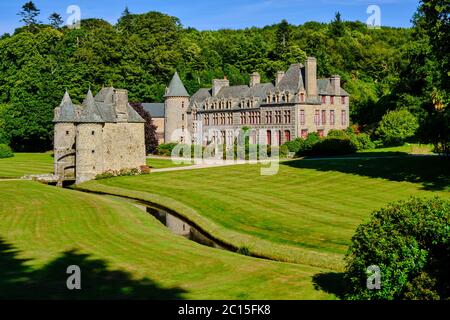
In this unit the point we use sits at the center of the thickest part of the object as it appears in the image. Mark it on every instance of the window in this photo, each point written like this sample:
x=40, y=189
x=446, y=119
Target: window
x=93, y=151
x=67, y=133
x=182, y=104
x=317, y=117
x=321, y=133
x=269, y=137
x=269, y=117
x=182, y=117
x=277, y=116
x=324, y=99
x=332, y=118
x=344, y=117
x=343, y=100
x=287, y=135
x=324, y=117
x=331, y=100
x=304, y=133
x=93, y=133
x=302, y=97
x=287, y=116
x=302, y=117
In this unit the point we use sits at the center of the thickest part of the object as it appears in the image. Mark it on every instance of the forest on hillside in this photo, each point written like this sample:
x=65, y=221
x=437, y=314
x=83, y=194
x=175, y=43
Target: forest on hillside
x=383, y=69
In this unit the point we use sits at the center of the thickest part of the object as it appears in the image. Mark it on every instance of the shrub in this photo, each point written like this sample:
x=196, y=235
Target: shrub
x=396, y=127
x=364, y=142
x=5, y=151
x=410, y=242
x=166, y=149
x=360, y=140
x=308, y=143
x=334, y=146
x=294, y=145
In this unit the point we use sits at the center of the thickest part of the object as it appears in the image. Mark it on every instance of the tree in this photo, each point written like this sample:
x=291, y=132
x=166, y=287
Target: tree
x=126, y=12
x=29, y=14
x=396, y=127
x=55, y=20
x=151, y=141
x=283, y=38
x=409, y=241
x=337, y=26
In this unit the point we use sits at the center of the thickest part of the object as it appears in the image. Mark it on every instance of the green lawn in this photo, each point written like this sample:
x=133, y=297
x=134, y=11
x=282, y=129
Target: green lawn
x=26, y=163
x=407, y=148
x=306, y=213
x=123, y=253
x=158, y=163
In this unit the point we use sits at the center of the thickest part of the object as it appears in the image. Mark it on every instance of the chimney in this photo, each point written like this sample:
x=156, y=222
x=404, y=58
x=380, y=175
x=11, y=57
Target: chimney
x=336, y=84
x=219, y=84
x=121, y=103
x=255, y=79
x=311, y=76
x=280, y=75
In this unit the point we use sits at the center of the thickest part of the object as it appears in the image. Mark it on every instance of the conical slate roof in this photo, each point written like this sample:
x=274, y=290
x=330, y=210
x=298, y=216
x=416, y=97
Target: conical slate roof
x=90, y=112
x=176, y=88
x=67, y=110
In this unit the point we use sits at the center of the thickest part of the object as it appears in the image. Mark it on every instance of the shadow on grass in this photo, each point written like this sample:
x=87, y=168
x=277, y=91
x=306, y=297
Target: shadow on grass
x=363, y=155
x=431, y=171
x=331, y=282
x=18, y=281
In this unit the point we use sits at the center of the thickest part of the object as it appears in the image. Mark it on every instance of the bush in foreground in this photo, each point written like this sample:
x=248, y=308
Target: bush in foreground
x=5, y=151
x=410, y=242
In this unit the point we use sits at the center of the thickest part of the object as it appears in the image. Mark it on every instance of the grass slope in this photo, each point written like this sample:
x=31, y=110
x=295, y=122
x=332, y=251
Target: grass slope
x=306, y=213
x=123, y=253
x=26, y=163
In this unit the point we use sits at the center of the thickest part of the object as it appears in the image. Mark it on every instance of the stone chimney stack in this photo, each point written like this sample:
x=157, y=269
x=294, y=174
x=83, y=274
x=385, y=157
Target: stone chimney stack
x=255, y=79
x=336, y=84
x=219, y=84
x=121, y=103
x=280, y=75
x=311, y=77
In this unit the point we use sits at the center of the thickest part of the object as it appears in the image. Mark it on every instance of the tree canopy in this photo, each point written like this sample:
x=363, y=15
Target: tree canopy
x=380, y=68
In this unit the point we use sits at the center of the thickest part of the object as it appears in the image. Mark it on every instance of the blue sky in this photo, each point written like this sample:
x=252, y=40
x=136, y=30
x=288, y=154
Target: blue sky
x=216, y=14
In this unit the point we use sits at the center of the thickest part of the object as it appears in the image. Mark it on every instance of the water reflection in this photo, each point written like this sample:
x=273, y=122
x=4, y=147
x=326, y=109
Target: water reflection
x=179, y=227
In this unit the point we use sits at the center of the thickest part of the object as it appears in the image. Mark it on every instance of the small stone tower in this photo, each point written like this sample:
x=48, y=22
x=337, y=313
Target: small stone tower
x=102, y=134
x=176, y=105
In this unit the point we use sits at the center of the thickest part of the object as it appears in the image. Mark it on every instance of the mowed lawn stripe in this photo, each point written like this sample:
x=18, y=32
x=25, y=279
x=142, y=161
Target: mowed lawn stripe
x=43, y=222
x=313, y=205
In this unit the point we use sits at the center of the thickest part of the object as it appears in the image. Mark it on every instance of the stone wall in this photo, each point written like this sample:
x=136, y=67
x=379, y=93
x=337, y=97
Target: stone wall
x=159, y=123
x=123, y=146
x=89, y=157
x=64, y=150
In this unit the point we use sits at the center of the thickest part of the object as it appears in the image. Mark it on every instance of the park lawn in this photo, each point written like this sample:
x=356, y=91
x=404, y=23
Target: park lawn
x=159, y=163
x=407, y=148
x=307, y=213
x=123, y=253
x=26, y=163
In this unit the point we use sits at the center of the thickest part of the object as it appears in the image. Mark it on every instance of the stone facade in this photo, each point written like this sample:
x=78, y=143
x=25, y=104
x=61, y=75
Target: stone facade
x=296, y=105
x=104, y=133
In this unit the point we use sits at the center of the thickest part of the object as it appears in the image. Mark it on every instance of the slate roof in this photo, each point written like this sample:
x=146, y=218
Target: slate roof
x=67, y=110
x=100, y=109
x=176, y=88
x=292, y=80
x=324, y=88
x=156, y=110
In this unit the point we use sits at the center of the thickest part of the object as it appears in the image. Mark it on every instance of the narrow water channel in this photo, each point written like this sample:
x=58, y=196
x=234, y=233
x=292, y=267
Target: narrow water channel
x=178, y=225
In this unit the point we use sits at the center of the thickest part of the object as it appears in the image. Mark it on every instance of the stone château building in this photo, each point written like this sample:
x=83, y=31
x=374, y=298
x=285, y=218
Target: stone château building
x=104, y=133
x=296, y=105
